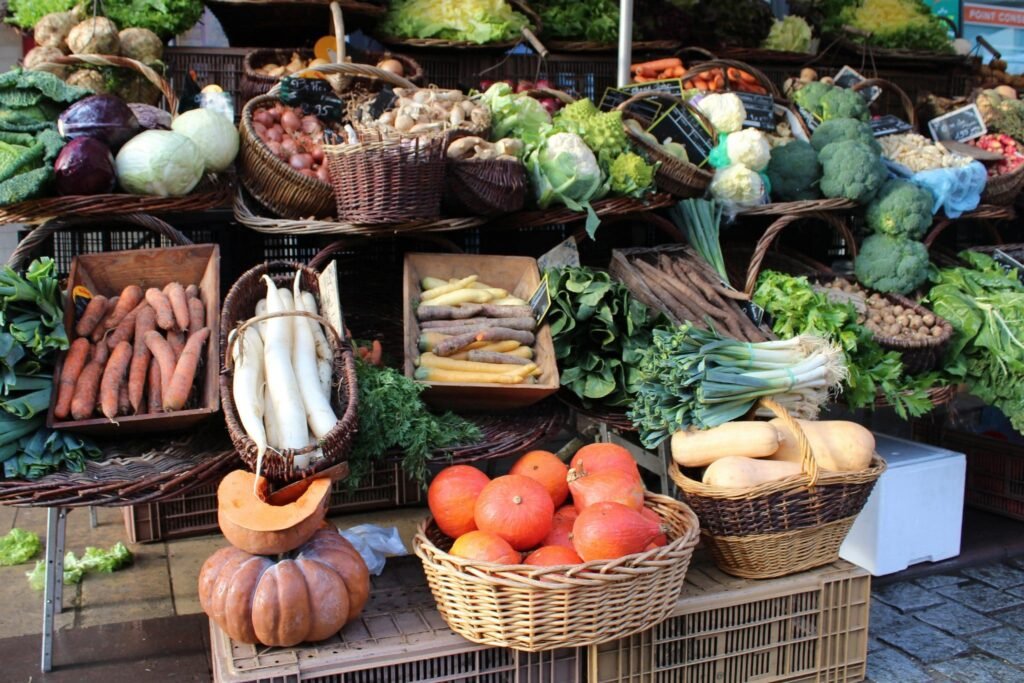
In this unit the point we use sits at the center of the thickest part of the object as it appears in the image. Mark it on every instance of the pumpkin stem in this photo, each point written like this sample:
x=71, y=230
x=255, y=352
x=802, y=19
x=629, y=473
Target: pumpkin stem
x=574, y=474
x=517, y=500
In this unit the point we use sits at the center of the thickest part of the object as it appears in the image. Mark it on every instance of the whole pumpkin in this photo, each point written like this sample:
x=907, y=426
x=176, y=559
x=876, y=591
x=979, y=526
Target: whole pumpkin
x=452, y=498
x=517, y=509
x=552, y=555
x=561, y=527
x=597, y=457
x=483, y=546
x=607, y=531
x=614, y=484
x=546, y=468
x=308, y=596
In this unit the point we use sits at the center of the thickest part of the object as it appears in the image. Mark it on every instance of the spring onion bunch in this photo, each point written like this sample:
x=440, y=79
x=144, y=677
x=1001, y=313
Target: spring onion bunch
x=696, y=378
x=700, y=220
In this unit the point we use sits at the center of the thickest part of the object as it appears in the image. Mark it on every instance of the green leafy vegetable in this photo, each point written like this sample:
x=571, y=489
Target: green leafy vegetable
x=166, y=18
x=594, y=20
x=474, y=21
x=516, y=115
x=93, y=560
x=791, y=34
x=27, y=13
x=392, y=415
x=18, y=546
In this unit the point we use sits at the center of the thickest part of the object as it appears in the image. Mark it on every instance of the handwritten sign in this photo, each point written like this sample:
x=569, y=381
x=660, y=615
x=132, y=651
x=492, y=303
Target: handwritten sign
x=889, y=125
x=958, y=125
x=680, y=125
x=847, y=78
x=564, y=254
x=646, y=109
x=540, y=300
x=760, y=110
x=314, y=96
x=330, y=297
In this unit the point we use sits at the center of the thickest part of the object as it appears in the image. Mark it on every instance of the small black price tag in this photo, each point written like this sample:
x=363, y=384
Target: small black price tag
x=848, y=77
x=314, y=96
x=646, y=109
x=540, y=301
x=384, y=101
x=889, y=125
x=958, y=125
x=680, y=125
x=760, y=110
x=757, y=315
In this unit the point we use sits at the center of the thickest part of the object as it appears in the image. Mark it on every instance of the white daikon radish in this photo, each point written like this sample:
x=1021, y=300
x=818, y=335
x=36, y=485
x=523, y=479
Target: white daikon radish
x=270, y=420
x=285, y=395
x=261, y=309
x=246, y=387
x=302, y=460
x=324, y=354
x=286, y=299
x=318, y=409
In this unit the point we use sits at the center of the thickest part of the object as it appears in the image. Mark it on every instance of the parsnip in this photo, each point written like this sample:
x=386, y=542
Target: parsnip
x=462, y=296
x=285, y=394
x=318, y=409
x=247, y=354
x=431, y=294
x=510, y=301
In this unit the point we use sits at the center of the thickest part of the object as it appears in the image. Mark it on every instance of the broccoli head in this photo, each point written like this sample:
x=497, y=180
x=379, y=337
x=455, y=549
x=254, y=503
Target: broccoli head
x=837, y=130
x=892, y=264
x=851, y=169
x=631, y=175
x=793, y=172
x=901, y=209
x=809, y=96
x=840, y=103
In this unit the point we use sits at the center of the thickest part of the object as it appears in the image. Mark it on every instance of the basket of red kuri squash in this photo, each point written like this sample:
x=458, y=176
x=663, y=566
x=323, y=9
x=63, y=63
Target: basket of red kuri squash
x=605, y=566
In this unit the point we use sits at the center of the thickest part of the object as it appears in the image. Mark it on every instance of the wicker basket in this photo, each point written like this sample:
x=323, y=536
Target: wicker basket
x=905, y=102
x=486, y=188
x=542, y=608
x=595, y=46
x=388, y=180
x=779, y=527
x=240, y=305
x=724, y=65
x=674, y=176
x=1002, y=190
x=918, y=355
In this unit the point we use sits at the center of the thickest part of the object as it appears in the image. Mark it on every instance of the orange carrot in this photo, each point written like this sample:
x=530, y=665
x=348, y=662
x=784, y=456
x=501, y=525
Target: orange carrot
x=196, y=315
x=130, y=297
x=154, y=397
x=657, y=65
x=91, y=317
x=74, y=362
x=164, y=315
x=88, y=385
x=192, y=292
x=113, y=378
x=164, y=355
x=124, y=403
x=642, y=79
x=176, y=393
x=126, y=328
x=101, y=328
x=144, y=322
x=376, y=352
x=177, y=341
x=179, y=303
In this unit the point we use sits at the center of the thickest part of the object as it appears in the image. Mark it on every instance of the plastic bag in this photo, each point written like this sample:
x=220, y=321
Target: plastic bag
x=375, y=544
x=956, y=189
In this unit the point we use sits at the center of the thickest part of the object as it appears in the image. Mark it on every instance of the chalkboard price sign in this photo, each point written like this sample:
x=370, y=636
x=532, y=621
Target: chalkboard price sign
x=760, y=110
x=958, y=125
x=889, y=125
x=677, y=123
x=847, y=78
x=314, y=96
x=648, y=109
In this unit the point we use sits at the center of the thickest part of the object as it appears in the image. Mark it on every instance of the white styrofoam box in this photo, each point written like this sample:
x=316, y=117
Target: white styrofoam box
x=915, y=511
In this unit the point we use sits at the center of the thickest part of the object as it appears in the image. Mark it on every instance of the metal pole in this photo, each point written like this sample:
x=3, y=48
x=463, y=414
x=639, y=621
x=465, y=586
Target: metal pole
x=625, y=41
x=56, y=519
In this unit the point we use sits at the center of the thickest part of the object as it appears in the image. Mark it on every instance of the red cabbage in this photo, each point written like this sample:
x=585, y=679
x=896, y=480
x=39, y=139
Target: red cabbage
x=85, y=166
x=104, y=117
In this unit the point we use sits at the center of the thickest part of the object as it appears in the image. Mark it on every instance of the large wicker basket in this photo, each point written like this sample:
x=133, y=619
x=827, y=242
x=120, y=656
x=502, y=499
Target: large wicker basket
x=542, y=608
x=1002, y=190
x=240, y=305
x=779, y=527
x=486, y=188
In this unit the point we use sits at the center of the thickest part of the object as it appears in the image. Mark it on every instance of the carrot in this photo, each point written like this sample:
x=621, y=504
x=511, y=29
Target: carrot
x=196, y=315
x=126, y=328
x=88, y=385
x=74, y=362
x=113, y=378
x=179, y=303
x=144, y=322
x=659, y=64
x=643, y=79
x=101, y=328
x=154, y=398
x=192, y=292
x=177, y=391
x=177, y=341
x=718, y=83
x=164, y=315
x=644, y=72
x=747, y=77
x=91, y=317
x=676, y=72
x=164, y=355
x=100, y=354
x=504, y=334
x=124, y=403
x=130, y=297
x=376, y=352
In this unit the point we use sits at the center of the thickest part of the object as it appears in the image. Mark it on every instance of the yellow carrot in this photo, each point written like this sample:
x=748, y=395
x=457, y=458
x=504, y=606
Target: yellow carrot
x=432, y=294
x=429, y=360
x=438, y=375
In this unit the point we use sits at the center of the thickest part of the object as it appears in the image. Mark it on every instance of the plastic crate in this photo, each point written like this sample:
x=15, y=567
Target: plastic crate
x=807, y=627
x=195, y=513
x=399, y=638
x=222, y=66
x=995, y=468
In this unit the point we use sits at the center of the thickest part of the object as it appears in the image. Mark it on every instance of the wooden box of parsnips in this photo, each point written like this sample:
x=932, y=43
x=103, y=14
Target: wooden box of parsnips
x=453, y=379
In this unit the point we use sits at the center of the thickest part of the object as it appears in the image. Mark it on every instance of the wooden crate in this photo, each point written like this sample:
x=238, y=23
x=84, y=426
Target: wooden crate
x=110, y=272
x=517, y=274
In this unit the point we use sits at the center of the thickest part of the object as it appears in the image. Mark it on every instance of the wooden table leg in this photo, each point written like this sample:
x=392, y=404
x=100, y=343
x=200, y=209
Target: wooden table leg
x=53, y=595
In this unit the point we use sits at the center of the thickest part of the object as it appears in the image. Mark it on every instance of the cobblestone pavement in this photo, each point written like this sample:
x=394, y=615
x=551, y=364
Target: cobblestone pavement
x=966, y=626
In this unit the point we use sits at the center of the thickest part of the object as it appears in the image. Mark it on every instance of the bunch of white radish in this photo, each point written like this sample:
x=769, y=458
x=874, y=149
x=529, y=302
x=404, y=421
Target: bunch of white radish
x=283, y=370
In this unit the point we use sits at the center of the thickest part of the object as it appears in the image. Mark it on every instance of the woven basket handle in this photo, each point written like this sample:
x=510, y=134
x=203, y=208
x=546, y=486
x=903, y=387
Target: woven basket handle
x=348, y=69
x=942, y=223
x=668, y=97
x=908, y=105
x=124, y=63
x=707, y=54
x=725, y=65
x=761, y=250
x=807, y=462
x=339, y=32
x=563, y=97
x=20, y=256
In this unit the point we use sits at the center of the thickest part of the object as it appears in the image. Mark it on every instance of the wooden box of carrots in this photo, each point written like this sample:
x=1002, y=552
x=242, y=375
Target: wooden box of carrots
x=143, y=355
x=471, y=335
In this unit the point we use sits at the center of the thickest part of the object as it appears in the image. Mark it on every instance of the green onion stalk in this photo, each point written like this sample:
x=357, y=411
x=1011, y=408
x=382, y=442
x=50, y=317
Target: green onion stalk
x=700, y=220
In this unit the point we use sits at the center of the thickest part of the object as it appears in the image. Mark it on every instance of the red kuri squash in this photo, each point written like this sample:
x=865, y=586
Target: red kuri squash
x=561, y=527
x=597, y=457
x=546, y=468
x=483, y=546
x=452, y=498
x=661, y=539
x=516, y=508
x=613, y=484
x=552, y=555
x=607, y=531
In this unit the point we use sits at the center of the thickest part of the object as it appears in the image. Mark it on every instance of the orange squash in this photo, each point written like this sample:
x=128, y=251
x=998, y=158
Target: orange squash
x=452, y=498
x=613, y=484
x=517, y=509
x=307, y=596
x=661, y=539
x=552, y=555
x=561, y=527
x=255, y=526
x=483, y=546
x=597, y=457
x=546, y=468
x=608, y=531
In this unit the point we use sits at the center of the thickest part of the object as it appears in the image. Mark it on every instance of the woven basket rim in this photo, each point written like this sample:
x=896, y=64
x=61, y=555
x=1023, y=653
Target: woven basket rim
x=266, y=156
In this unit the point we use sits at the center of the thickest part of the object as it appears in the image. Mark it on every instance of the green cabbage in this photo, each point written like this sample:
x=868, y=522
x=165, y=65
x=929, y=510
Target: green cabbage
x=159, y=162
x=474, y=21
x=214, y=135
x=563, y=170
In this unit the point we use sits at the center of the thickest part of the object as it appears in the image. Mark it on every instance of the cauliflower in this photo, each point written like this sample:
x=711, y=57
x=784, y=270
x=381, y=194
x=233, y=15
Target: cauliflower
x=564, y=170
x=738, y=185
x=630, y=175
x=725, y=111
x=837, y=130
x=840, y=103
x=794, y=172
x=852, y=170
x=892, y=264
x=901, y=209
x=748, y=147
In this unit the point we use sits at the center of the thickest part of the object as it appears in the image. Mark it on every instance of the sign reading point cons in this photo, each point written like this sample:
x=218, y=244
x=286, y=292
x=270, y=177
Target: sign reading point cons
x=992, y=15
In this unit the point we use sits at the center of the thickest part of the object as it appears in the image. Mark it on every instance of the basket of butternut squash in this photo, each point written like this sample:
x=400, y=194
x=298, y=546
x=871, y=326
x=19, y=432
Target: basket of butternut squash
x=775, y=497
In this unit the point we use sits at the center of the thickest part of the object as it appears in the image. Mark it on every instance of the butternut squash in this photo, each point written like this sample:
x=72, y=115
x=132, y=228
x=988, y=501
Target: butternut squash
x=837, y=445
x=738, y=472
x=698, y=448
